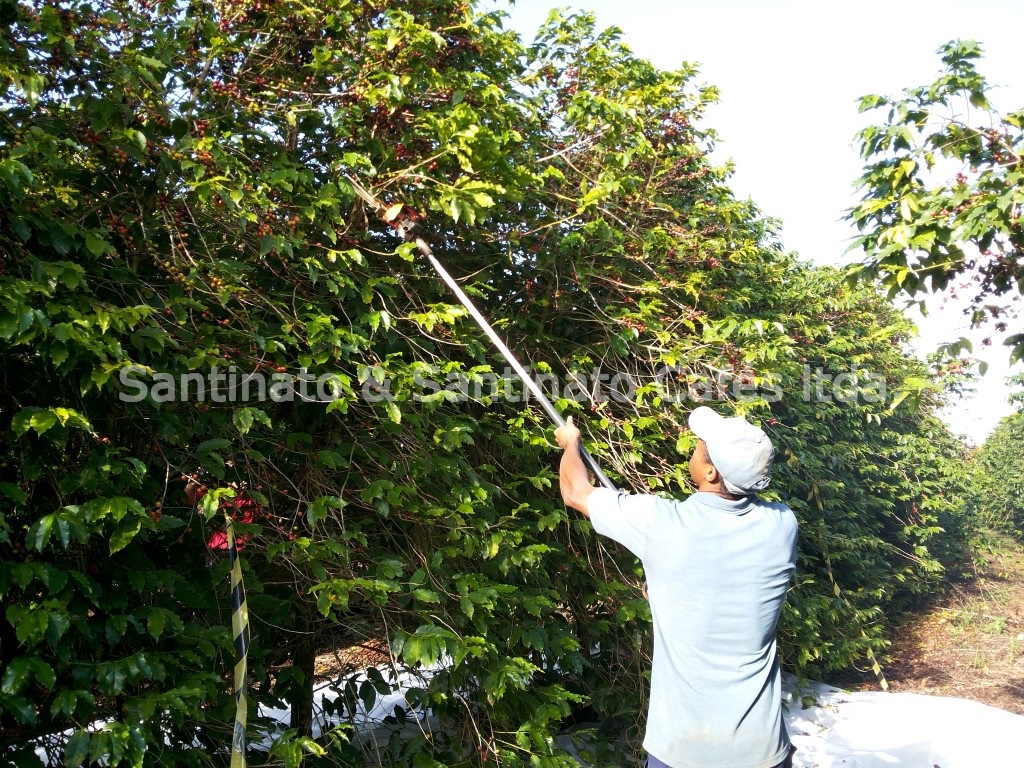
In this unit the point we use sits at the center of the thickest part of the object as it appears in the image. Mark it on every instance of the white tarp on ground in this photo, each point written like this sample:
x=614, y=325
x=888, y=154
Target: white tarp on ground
x=832, y=728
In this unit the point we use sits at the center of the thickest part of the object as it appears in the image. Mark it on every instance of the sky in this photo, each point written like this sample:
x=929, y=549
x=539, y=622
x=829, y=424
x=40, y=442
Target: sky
x=790, y=76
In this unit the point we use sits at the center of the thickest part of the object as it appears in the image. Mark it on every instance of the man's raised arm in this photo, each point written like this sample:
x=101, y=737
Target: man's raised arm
x=573, y=478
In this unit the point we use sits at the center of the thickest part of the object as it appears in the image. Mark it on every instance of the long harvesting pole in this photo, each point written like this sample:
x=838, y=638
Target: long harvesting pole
x=408, y=231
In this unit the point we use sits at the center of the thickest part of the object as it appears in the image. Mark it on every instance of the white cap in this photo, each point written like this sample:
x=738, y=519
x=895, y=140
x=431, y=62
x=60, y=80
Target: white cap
x=741, y=452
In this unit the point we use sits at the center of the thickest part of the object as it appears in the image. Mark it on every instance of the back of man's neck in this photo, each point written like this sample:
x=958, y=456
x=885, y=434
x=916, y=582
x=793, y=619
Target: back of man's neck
x=718, y=489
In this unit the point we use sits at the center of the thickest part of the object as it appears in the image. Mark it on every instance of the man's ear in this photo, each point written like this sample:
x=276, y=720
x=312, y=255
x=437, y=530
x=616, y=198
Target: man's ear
x=712, y=474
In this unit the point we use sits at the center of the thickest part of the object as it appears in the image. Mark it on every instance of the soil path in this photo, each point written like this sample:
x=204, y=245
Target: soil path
x=969, y=643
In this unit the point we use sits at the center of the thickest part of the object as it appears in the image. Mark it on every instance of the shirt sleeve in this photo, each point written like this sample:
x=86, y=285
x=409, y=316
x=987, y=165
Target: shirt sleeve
x=622, y=517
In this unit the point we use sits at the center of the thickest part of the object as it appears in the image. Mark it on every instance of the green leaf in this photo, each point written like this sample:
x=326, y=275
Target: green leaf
x=71, y=418
x=394, y=412
x=243, y=420
x=214, y=444
x=14, y=493
x=8, y=326
x=16, y=677
x=406, y=252
x=97, y=245
x=42, y=421
x=155, y=623
x=77, y=749
x=126, y=530
x=24, y=711
x=30, y=625
x=40, y=531
x=66, y=702
x=23, y=670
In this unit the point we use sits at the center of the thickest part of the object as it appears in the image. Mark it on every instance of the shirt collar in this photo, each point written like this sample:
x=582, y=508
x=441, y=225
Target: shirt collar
x=734, y=506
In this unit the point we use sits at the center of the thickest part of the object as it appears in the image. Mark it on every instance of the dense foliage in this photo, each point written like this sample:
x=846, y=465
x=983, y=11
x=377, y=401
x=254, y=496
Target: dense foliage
x=999, y=476
x=943, y=193
x=173, y=200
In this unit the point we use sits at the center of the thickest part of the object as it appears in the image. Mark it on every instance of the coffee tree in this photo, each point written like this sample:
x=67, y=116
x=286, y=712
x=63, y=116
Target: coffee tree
x=200, y=317
x=942, y=195
x=999, y=480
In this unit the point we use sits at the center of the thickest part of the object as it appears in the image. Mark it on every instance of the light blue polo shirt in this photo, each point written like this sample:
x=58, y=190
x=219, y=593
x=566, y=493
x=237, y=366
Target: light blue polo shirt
x=717, y=574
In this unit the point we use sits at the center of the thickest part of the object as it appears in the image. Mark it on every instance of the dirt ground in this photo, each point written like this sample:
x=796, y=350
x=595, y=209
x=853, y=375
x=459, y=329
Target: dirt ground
x=342, y=661
x=968, y=644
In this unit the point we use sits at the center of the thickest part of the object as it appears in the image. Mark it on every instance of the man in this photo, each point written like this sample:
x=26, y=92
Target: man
x=718, y=567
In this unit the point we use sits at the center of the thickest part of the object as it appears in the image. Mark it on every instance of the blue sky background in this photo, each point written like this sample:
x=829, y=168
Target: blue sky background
x=791, y=74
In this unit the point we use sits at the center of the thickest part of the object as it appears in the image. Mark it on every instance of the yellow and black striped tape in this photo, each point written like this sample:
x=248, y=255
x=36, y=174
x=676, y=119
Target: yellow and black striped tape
x=240, y=632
